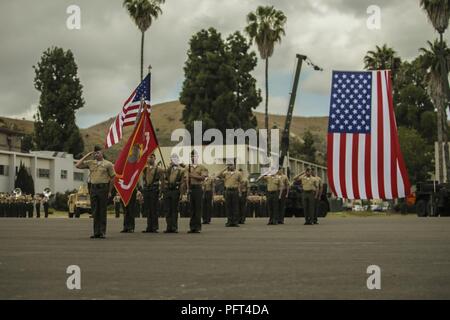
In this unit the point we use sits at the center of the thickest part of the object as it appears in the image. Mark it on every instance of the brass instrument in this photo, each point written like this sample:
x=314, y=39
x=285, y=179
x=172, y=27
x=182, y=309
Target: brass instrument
x=17, y=192
x=47, y=192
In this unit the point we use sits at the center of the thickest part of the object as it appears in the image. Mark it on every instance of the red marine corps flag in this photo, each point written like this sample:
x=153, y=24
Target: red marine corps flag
x=133, y=157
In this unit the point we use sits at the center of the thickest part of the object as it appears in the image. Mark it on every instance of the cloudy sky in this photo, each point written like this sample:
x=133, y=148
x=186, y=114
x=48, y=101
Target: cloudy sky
x=333, y=33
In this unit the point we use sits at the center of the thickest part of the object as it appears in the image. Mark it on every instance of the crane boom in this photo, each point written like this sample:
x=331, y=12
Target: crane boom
x=287, y=126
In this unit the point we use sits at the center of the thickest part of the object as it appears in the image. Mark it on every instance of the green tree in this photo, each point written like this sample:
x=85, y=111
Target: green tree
x=27, y=143
x=418, y=164
x=143, y=12
x=24, y=180
x=438, y=12
x=243, y=62
x=265, y=26
x=308, y=148
x=304, y=148
x=61, y=96
x=218, y=88
x=412, y=104
x=438, y=91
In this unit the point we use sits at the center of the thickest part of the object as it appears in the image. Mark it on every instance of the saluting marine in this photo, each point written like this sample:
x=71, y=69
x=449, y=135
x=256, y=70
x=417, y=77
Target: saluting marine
x=101, y=184
x=309, y=186
x=153, y=177
x=232, y=182
x=273, y=195
x=172, y=190
x=195, y=175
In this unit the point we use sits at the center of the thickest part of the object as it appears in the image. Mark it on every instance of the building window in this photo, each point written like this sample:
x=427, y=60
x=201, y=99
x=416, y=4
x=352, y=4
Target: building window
x=4, y=170
x=63, y=174
x=78, y=176
x=44, y=173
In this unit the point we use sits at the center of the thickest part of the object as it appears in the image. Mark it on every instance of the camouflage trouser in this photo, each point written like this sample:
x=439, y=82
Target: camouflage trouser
x=99, y=198
x=308, y=205
x=273, y=206
x=196, y=197
x=207, y=206
x=171, y=201
x=129, y=214
x=242, y=207
x=232, y=206
x=151, y=198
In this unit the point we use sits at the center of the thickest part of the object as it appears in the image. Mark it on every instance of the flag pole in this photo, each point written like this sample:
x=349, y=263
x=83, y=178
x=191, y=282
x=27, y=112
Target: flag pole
x=159, y=148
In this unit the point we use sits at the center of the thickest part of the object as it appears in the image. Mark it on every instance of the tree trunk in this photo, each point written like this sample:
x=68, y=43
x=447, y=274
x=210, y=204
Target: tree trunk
x=439, y=138
x=445, y=92
x=266, y=114
x=142, y=56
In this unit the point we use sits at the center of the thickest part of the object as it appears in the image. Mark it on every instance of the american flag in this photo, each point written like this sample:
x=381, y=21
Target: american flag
x=129, y=113
x=364, y=157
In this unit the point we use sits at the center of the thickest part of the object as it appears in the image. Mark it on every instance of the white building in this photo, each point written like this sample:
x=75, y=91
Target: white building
x=55, y=170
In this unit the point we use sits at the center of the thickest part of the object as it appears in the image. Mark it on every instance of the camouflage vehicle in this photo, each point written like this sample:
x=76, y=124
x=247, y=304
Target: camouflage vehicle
x=432, y=199
x=79, y=202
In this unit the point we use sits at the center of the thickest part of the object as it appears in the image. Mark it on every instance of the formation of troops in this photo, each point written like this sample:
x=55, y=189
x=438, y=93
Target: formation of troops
x=192, y=187
x=23, y=205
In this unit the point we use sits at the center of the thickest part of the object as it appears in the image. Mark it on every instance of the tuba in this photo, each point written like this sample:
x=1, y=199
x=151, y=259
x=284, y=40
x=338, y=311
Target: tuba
x=47, y=192
x=17, y=192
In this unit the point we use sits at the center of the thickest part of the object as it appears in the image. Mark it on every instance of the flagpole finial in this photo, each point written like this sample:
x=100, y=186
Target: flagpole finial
x=149, y=68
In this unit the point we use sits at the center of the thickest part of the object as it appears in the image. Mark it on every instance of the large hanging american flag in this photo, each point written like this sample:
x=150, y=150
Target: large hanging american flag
x=129, y=112
x=364, y=157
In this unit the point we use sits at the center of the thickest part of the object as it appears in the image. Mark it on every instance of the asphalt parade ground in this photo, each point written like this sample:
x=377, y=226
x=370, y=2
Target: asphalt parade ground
x=255, y=261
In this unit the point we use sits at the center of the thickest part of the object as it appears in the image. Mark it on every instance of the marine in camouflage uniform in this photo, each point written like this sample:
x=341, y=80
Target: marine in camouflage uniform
x=232, y=181
x=309, y=186
x=172, y=191
x=273, y=196
x=153, y=177
x=101, y=184
x=195, y=175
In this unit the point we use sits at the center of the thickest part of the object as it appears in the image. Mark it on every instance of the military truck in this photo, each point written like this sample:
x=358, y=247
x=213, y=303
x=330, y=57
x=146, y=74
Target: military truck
x=294, y=205
x=79, y=202
x=433, y=199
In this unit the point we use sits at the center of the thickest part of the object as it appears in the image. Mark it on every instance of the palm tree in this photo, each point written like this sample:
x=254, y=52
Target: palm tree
x=430, y=60
x=265, y=26
x=143, y=12
x=382, y=58
x=438, y=12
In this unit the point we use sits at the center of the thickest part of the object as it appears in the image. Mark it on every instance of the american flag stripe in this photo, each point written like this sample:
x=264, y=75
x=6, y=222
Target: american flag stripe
x=129, y=112
x=364, y=162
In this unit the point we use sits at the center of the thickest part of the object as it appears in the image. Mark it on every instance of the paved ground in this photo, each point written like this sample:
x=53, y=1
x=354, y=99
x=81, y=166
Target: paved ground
x=255, y=261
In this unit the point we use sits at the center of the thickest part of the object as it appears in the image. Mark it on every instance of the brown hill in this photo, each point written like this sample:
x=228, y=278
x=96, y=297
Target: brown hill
x=21, y=126
x=167, y=116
